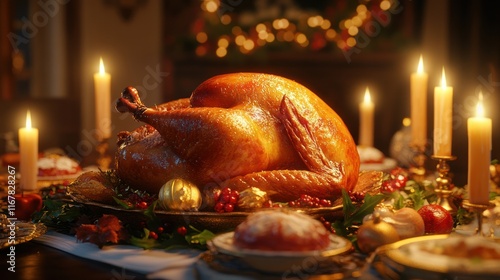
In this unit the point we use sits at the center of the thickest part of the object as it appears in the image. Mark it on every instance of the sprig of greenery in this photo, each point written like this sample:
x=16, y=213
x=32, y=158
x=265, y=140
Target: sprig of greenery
x=59, y=214
x=354, y=214
x=64, y=217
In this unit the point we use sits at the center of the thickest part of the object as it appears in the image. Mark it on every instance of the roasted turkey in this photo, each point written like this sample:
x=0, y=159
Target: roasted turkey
x=240, y=130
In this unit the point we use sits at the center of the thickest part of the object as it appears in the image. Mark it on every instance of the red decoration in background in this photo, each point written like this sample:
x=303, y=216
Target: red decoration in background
x=108, y=229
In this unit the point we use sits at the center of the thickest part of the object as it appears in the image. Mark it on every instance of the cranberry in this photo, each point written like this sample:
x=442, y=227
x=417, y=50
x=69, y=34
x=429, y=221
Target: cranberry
x=219, y=207
x=228, y=207
x=267, y=204
x=153, y=235
x=226, y=200
x=182, y=231
x=142, y=205
x=308, y=201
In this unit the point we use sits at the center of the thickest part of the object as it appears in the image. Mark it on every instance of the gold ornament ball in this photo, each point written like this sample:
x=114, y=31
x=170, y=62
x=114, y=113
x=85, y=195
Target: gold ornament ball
x=179, y=194
x=375, y=233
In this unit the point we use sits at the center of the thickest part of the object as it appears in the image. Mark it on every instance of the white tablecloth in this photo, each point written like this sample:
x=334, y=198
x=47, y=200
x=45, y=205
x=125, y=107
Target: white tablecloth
x=157, y=264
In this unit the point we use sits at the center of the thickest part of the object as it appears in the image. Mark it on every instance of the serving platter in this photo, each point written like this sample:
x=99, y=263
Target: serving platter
x=213, y=221
x=423, y=258
x=279, y=261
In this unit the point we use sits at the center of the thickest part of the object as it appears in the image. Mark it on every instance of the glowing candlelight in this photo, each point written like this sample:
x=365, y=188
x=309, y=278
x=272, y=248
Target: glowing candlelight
x=418, y=91
x=443, y=119
x=102, y=85
x=28, y=149
x=479, y=133
x=366, y=109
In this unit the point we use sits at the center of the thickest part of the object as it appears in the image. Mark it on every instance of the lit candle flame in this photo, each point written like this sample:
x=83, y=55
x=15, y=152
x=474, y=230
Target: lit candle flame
x=479, y=107
x=443, y=80
x=420, y=68
x=367, y=98
x=28, y=120
x=101, y=67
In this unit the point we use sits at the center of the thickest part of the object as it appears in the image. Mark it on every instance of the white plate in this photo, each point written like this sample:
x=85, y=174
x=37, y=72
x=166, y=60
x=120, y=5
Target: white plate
x=280, y=261
x=423, y=254
x=386, y=165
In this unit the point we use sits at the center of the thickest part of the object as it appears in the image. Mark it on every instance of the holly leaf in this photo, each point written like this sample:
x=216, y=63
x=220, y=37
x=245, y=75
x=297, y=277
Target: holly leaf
x=59, y=214
x=366, y=208
x=418, y=198
x=150, y=211
x=354, y=214
x=144, y=242
x=199, y=238
x=123, y=203
x=347, y=205
x=399, y=200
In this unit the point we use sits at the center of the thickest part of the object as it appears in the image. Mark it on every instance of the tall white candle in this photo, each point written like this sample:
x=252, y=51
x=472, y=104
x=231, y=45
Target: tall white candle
x=479, y=132
x=366, y=109
x=28, y=149
x=443, y=118
x=102, y=86
x=418, y=91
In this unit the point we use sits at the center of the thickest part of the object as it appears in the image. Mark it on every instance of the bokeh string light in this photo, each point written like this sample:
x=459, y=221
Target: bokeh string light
x=220, y=34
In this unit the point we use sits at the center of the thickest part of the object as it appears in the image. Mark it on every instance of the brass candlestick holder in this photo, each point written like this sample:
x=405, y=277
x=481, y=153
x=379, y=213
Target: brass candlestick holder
x=443, y=181
x=478, y=209
x=103, y=159
x=417, y=169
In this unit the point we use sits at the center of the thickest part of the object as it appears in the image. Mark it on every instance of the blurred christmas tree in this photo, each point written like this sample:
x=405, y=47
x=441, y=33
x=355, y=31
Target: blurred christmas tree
x=226, y=29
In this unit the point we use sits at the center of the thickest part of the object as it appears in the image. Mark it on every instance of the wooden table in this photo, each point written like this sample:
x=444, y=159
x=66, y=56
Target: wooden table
x=37, y=261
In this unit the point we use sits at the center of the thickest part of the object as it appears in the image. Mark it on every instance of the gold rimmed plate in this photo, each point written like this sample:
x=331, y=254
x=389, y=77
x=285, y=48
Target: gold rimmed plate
x=279, y=261
x=429, y=257
x=22, y=232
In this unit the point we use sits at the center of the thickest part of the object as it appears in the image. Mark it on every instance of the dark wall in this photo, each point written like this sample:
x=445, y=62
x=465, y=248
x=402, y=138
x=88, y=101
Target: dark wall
x=475, y=56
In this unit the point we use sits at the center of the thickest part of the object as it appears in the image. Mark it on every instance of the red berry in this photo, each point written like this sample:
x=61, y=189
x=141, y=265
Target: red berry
x=225, y=198
x=182, y=231
x=160, y=229
x=267, y=204
x=325, y=203
x=226, y=191
x=142, y=205
x=219, y=207
x=401, y=179
x=229, y=207
x=153, y=235
x=233, y=199
x=308, y=201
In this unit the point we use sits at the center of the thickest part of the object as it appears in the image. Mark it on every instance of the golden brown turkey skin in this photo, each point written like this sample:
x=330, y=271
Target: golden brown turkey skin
x=240, y=130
